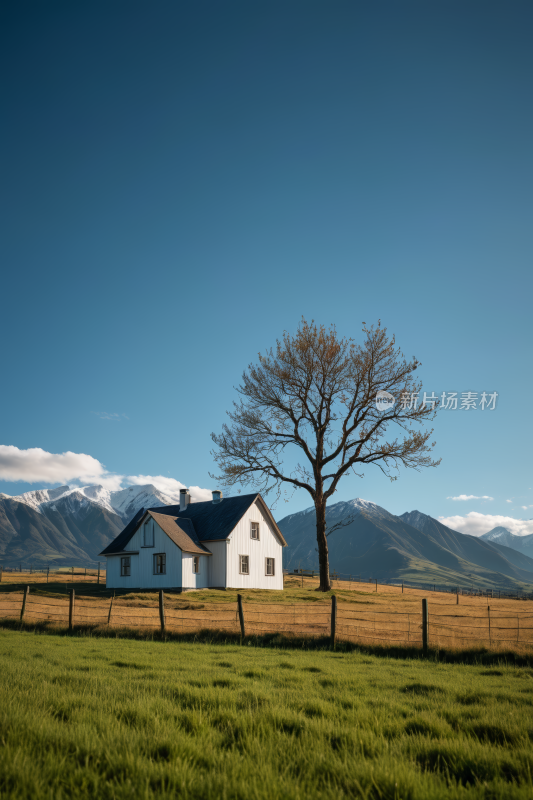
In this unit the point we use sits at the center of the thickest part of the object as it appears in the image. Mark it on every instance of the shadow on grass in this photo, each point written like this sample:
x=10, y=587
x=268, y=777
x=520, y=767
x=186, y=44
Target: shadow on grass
x=281, y=641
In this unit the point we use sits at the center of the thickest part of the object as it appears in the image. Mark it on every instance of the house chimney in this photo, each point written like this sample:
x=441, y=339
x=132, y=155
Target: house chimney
x=217, y=496
x=185, y=499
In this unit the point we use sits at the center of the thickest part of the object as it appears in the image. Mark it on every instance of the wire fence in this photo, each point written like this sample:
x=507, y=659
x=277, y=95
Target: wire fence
x=344, y=580
x=56, y=574
x=442, y=626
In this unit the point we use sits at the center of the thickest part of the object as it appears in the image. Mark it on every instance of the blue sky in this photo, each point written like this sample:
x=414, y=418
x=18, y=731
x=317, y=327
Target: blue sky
x=182, y=181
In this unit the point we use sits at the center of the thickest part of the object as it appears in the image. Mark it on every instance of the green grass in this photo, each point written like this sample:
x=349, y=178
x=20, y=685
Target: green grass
x=117, y=718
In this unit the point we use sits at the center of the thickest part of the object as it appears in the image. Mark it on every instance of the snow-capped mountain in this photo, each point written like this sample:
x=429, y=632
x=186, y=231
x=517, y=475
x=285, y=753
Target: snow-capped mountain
x=69, y=524
x=523, y=543
x=342, y=509
x=124, y=502
x=499, y=534
x=373, y=542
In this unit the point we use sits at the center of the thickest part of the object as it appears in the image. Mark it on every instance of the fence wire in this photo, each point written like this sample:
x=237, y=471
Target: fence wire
x=495, y=626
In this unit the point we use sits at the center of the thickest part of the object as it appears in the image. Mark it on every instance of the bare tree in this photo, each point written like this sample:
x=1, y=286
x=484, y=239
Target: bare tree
x=317, y=393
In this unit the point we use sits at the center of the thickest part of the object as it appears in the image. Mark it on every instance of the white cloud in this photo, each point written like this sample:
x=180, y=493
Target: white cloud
x=508, y=501
x=476, y=524
x=37, y=465
x=109, y=480
x=199, y=495
x=165, y=484
x=110, y=415
x=471, y=497
x=170, y=486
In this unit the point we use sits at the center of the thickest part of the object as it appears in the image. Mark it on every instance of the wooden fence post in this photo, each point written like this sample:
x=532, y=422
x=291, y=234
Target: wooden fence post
x=457, y=601
x=98, y=581
x=162, y=609
x=402, y=588
x=110, y=609
x=333, y=620
x=425, y=627
x=71, y=609
x=23, y=609
x=488, y=610
x=241, y=615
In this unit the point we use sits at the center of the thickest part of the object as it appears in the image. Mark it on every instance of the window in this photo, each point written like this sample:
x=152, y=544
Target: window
x=196, y=564
x=269, y=566
x=245, y=565
x=148, y=534
x=254, y=530
x=125, y=566
x=160, y=564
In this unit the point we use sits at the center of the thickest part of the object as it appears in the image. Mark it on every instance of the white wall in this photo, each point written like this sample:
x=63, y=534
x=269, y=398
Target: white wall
x=113, y=579
x=142, y=565
x=241, y=543
x=217, y=563
x=195, y=580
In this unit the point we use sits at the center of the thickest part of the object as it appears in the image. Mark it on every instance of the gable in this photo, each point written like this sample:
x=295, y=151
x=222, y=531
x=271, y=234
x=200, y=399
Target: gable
x=180, y=532
x=258, y=512
x=119, y=543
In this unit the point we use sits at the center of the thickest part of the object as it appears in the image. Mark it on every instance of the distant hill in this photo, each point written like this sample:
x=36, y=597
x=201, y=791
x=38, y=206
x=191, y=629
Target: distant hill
x=381, y=545
x=65, y=526
x=503, y=536
x=68, y=526
x=467, y=544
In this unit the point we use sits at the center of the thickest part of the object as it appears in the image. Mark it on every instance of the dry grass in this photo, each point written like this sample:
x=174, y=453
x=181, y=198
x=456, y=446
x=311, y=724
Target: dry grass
x=61, y=575
x=388, y=616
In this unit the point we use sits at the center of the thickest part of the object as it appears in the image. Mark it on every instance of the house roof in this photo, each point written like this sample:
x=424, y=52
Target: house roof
x=182, y=533
x=215, y=521
x=209, y=521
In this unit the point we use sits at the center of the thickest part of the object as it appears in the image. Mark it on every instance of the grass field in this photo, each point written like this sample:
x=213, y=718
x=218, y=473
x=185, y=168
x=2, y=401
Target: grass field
x=115, y=718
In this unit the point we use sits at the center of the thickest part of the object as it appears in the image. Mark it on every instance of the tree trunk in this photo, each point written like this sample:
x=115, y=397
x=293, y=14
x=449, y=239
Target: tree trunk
x=323, y=554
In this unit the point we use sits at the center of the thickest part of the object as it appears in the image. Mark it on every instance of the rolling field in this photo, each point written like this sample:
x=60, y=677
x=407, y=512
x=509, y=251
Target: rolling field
x=114, y=718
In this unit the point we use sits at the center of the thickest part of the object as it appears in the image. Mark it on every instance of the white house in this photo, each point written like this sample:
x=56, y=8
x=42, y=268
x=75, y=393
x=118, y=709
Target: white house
x=225, y=543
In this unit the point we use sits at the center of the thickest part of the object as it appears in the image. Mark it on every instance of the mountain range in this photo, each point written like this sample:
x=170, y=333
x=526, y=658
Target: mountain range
x=413, y=547
x=71, y=525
